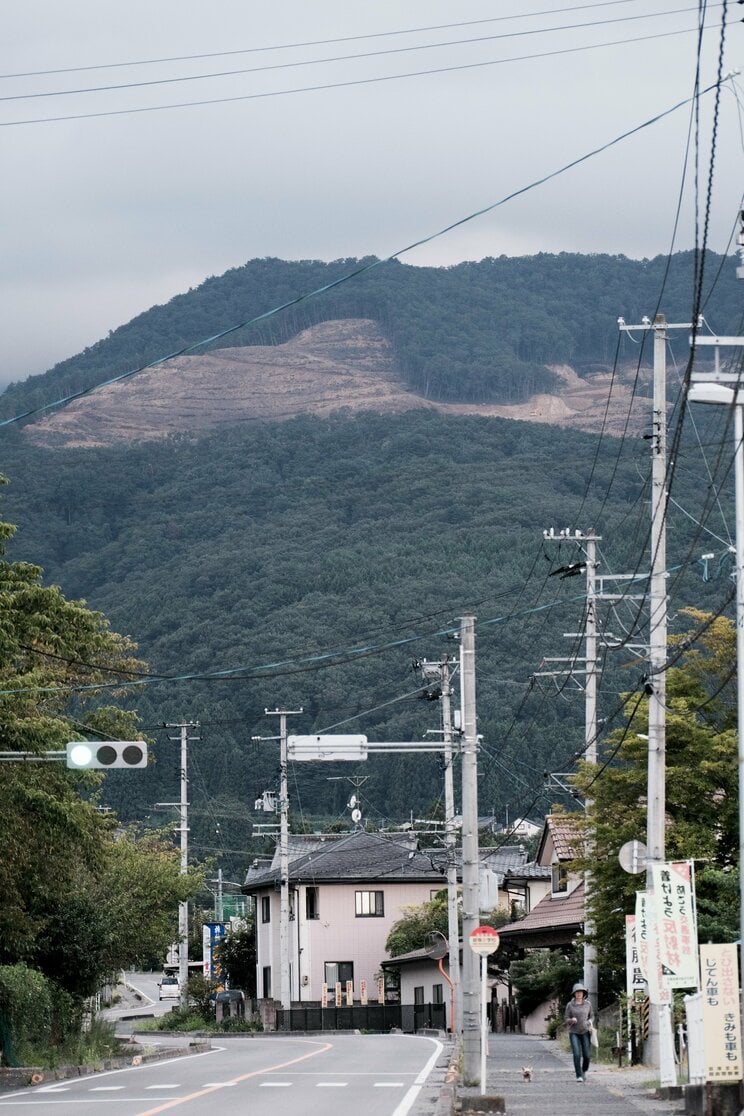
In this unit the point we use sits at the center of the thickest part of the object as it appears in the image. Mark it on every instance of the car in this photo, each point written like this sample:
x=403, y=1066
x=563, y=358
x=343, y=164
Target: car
x=169, y=986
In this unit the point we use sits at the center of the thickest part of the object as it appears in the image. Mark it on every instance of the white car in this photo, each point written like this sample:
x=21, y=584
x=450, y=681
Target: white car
x=170, y=989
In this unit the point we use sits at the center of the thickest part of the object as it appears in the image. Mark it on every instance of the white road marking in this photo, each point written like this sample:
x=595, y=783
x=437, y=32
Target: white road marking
x=162, y=1086
x=53, y=1089
x=331, y=1084
x=388, y=1085
x=105, y=1088
x=218, y=1084
x=275, y=1084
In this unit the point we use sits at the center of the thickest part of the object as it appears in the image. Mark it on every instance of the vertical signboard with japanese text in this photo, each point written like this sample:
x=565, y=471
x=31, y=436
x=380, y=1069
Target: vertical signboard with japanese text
x=649, y=957
x=719, y=971
x=675, y=921
x=634, y=978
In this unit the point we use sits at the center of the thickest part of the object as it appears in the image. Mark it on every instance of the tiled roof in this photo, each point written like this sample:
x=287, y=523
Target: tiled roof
x=358, y=856
x=530, y=871
x=563, y=831
x=562, y=917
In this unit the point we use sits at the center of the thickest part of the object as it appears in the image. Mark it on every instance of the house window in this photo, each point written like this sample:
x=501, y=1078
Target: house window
x=267, y=982
x=437, y=993
x=418, y=994
x=370, y=904
x=559, y=884
x=312, y=907
x=338, y=971
x=266, y=908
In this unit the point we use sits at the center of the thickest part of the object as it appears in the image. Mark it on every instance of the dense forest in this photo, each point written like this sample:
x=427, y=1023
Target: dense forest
x=307, y=564
x=474, y=332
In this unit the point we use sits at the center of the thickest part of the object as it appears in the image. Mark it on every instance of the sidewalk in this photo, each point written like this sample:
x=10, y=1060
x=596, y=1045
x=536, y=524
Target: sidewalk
x=553, y=1090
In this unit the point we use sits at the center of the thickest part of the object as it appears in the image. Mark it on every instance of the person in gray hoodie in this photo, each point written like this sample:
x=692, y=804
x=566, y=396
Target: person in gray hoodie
x=579, y=1018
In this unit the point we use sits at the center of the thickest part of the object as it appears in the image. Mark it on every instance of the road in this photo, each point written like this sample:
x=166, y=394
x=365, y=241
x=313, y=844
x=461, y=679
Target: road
x=264, y=1075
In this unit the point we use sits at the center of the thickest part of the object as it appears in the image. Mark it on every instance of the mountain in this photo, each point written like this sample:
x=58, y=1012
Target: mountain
x=292, y=559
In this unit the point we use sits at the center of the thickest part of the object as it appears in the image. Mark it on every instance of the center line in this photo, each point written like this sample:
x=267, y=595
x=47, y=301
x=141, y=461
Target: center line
x=332, y=1084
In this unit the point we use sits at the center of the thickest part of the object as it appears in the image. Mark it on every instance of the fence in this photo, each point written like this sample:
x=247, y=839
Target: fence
x=372, y=1017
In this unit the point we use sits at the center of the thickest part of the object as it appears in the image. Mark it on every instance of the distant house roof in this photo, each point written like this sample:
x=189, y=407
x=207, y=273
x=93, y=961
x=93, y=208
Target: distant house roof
x=552, y=922
x=529, y=871
x=561, y=831
x=368, y=857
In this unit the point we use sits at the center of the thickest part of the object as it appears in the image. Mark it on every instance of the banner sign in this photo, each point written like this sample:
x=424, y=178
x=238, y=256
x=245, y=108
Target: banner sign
x=721, y=1022
x=649, y=955
x=634, y=978
x=675, y=920
x=381, y=990
x=324, y=995
x=213, y=934
x=363, y=992
x=350, y=993
x=339, y=995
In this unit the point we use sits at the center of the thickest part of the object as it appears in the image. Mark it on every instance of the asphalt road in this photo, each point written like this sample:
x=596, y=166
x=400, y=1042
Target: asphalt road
x=265, y=1075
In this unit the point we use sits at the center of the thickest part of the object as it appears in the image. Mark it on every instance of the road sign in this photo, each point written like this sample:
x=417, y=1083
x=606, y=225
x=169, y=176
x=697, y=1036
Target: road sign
x=327, y=748
x=484, y=940
x=633, y=856
x=86, y=754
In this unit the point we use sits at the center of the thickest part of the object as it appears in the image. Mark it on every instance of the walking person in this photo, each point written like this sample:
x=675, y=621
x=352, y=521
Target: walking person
x=579, y=1017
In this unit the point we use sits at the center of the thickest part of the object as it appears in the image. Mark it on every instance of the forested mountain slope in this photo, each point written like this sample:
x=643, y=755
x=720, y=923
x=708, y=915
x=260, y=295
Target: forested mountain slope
x=476, y=332
x=314, y=559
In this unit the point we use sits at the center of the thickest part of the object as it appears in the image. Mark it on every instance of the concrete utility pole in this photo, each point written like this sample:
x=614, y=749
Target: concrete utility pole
x=590, y=669
x=659, y=1046
x=470, y=864
x=284, y=971
x=450, y=841
x=183, y=829
x=441, y=671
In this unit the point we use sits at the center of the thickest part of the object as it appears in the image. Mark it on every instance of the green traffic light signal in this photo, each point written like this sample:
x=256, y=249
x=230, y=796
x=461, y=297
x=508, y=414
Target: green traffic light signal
x=106, y=754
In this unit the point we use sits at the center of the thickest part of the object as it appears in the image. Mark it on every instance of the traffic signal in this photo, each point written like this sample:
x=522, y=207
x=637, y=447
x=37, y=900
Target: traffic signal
x=106, y=753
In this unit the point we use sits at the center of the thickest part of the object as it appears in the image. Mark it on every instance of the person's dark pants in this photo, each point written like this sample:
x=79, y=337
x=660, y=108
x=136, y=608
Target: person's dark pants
x=580, y=1048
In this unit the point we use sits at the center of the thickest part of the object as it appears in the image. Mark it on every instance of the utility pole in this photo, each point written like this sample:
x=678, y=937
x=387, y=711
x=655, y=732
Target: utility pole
x=470, y=877
x=183, y=829
x=284, y=971
x=587, y=565
x=441, y=671
x=660, y=1042
x=450, y=841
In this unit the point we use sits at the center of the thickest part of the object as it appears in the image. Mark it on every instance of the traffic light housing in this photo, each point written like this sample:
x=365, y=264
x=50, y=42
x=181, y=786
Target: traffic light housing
x=106, y=754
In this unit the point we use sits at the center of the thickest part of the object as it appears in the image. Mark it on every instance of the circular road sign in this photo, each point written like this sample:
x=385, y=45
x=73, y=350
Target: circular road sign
x=632, y=857
x=484, y=940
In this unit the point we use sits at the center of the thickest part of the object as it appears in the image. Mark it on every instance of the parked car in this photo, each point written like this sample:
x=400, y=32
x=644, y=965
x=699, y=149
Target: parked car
x=169, y=986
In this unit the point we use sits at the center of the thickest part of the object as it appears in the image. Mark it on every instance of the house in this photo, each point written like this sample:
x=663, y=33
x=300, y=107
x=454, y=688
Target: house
x=557, y=920
x=345, y=894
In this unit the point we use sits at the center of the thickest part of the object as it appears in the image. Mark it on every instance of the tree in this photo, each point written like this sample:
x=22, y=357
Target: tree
x=79, y=899
x=701, y=791
x=413, y=930
x=237, y=957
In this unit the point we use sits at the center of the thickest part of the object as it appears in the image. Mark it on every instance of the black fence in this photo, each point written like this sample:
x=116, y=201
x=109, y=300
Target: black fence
x=372, y=1017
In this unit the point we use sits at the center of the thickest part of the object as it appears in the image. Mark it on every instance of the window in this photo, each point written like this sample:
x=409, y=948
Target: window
x=312, y=907
x=437, y=993
x=418, y=994
x=370, y=904
x=338, y=971
x=266, y=908
x=559, y=884
x=267, y=982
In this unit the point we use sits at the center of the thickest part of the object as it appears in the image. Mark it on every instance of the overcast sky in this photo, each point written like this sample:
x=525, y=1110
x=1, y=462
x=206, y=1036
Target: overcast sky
x=105, y=216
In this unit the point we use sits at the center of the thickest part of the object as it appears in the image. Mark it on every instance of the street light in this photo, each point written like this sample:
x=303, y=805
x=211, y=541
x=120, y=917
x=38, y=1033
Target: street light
x=722, y=395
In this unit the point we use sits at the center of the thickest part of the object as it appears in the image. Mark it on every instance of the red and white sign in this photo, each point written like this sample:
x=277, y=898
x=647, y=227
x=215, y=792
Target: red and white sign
x=484, y=940
x=675, y=922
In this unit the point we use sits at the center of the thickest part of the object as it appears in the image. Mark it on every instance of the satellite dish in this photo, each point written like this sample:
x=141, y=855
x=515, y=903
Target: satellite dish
x=633, y=856
x=356, y=815
x=353, y=801
x=437, y=946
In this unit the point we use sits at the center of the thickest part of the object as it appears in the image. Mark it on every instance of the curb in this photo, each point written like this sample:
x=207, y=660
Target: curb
x=19, y=1077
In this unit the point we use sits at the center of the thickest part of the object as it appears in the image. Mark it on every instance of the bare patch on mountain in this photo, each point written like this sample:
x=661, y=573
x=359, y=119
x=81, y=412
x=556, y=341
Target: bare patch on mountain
x=335, y=366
